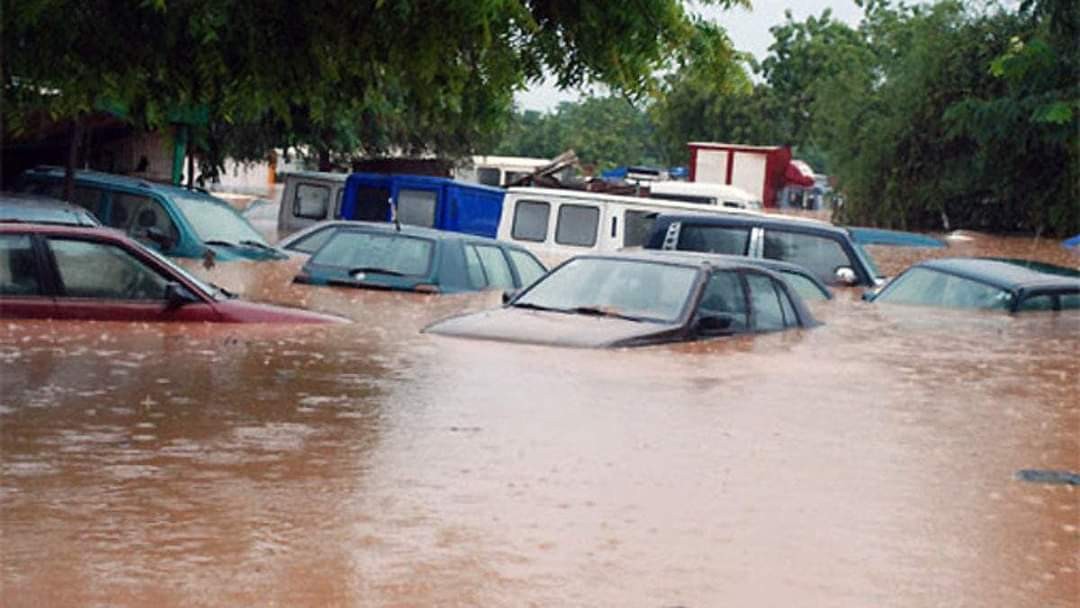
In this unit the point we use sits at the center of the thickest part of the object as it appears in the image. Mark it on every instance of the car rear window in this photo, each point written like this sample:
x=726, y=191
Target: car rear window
x=397, y=253
x=311, y=201
x=310, y=243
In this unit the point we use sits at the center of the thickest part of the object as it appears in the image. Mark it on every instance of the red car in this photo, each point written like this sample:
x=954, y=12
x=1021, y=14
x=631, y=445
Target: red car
x=75, y=272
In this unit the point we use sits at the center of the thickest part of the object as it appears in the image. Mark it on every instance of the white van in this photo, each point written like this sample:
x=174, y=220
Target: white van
x=498, y=170
x=703, y=193
x=556, y=224
x=309, y=197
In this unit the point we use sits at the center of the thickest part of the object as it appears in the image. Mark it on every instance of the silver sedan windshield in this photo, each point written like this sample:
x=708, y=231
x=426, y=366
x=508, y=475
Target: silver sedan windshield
x=632, y=288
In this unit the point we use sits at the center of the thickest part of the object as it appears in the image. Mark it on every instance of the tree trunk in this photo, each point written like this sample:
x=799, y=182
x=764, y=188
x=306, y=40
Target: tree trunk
x=72, y=158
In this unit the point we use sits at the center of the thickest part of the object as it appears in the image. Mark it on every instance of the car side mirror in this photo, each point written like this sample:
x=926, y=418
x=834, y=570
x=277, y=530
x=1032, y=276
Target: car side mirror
x=509, y=295
x=176, y=295
x=158, y=236
x=844, y=275
x=714, y=325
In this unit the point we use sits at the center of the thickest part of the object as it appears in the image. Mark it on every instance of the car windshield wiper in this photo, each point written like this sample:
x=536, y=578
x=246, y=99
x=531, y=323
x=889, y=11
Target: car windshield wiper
x=375, y=270
x=224, y=292
x=257, y=244
x=532, y=306
x=597, y=311
x=244, y=243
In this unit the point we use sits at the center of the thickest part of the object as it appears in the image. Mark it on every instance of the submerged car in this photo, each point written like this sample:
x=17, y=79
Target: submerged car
x=1011, y=285
x=637, y=299
x=833, y=253
x=68, y=272
x=179, y=222
x=36, y=209
x=308, y=240
x=377, y=255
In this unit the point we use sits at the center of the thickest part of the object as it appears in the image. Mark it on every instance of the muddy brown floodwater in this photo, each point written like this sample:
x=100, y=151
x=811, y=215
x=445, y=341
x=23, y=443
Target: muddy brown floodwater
x=868, y=462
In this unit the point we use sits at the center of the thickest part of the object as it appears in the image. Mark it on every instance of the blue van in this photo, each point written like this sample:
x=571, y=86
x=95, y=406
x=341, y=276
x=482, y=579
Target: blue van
x=419, y=200
x=176, y=221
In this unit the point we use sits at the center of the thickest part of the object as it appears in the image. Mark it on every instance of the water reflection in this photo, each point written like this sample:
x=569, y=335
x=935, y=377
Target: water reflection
x=871, y=461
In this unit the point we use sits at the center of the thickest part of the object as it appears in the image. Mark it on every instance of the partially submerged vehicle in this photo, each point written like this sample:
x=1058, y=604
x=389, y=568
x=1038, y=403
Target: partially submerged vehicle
x=309, y=197
x=179, y=222
x=1010, y=285
x=560, y=223
x=50, y=271
x=408, y=258
x=37, y=209
x=637, y=299
x=826, y=250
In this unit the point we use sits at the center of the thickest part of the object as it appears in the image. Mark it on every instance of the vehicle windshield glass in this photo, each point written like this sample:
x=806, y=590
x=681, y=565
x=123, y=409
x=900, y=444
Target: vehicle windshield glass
x=392, y=253
x=203, y=285
x=804, y=286
x=216, y=222
x=645, y=290
x=926, y=287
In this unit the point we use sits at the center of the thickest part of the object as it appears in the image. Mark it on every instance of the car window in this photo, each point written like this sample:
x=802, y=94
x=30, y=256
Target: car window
x=790, y=318
x=768, y=314
x=1070, y=301
x=416, y=207
x=804, y=286
x=50, y=189
x=927, y=287
x=488, y=176
x=216, y=221
x=495, y=267
x=531, y=221
x=396, y=253
x=312, y=242
x=18, y=268
x=528, y=268
x=818, y=254
x=577, y=225
x=138, y=215
x=311, y=201
x=372, y=204
x=636, y=227
x=723, y=296
x=475, y=268
x=101, y=270
x=1043, y=301
x=85, y=197
x=714, y=239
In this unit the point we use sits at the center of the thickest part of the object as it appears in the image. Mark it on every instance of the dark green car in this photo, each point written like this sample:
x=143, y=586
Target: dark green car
x=408, y=258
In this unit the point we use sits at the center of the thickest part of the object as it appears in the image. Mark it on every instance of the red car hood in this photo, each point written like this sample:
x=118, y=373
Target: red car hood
x=554, y=328
x=239, y=311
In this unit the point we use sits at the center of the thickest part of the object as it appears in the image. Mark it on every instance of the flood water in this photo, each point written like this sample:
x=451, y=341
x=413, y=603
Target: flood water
x=868, y=462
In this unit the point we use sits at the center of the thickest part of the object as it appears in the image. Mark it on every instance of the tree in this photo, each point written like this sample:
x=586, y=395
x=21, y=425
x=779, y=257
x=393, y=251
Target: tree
x=604, y=132
x=365, y=76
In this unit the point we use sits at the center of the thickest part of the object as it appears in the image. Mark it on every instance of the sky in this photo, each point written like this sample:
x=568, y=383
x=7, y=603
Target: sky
x=749, y=30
